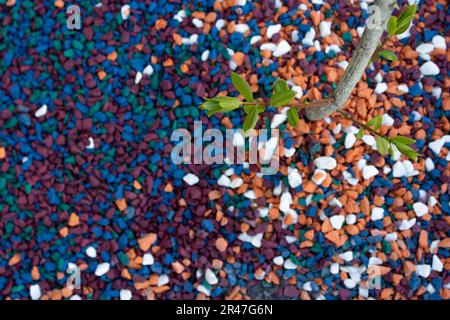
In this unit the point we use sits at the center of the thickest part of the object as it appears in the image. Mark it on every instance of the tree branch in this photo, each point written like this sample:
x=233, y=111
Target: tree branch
x=355, y=70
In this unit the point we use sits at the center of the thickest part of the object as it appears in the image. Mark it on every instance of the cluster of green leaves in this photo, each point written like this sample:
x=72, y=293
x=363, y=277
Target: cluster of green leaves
x=384, y=145
x=281, y=97
x=396, y=25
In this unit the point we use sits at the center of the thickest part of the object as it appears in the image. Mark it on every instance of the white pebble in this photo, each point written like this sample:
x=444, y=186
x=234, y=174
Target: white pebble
x=162, y=280
x=205, y=55
x=148, y=70
x=369, y=172
x=268, y=46
x=387, y=120
x=350, y=219
x=285, y=202
x=346, y=256
x=294, y=178
x=91, y=252
x=197, y=23
x=211, y=277
x=220, y=24
x=325, y=28
x=407, y=224
x=436, y=145
x=350, y=140
x=377, y=214
x=191, y=179
x=102, y=269
x=380, y=88
x=369, y=140
x=391, y=236
x=271, y=30
x=429, y=68
x=439, y=42
x=42, y=111
x=437, y=264
x=298, y=91
x=349, y=283
x=224, y=181
x=125, y=11
x=91, y=144
x=420, y=209
x=138, y=77
x=277, y=119
x=398, y=170
x=343, y=64
x=334, y=268
x=282, y=48
x=148, y=259
x=423, y=270
x=35, y=292
x=325, y=163
x=255, y=39
x=238, y=139
x=289, y=265
x=424, y=49
x=337, y=221
x=403, y=88
x=125, y=294
x=236, y=183
x=278, y=260
x=241, y=28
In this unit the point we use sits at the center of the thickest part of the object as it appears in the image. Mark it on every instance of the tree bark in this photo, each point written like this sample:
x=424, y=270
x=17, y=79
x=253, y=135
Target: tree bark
x=355, y=70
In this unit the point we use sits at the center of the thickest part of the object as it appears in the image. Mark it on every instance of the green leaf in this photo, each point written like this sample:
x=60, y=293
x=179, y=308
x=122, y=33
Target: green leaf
x=282, y=98
x=360, y=133
x=405, y=18
x=388, y=55
x=391, y=151
x=392, y=25
x=242, y=86
x=292, y=116
x=228, y=103
x=214, y=111
x=250, y=120
x=382, y=145
x=375, y=122
x=280, y=85
x=403, y=140
x=209, y=105
x=407, y=151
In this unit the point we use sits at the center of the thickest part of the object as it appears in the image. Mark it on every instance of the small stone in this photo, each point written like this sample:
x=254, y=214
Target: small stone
x=91, y=252
x=346, y=256
x=334, y=268
x=294, y=178
x=191, y=179
x=439, y=42
x=387, y=120
x=125, y=294
x=277, y=119
x=35, y=292
x=221, y=244
x=271, y=30
x=407, y=224
x=125, y=11
x=398, y=170
x=236, y=183
x=289, y=265
x=369, y=172
x=138, y=77
x=197, y=23
x=377, y=214
x=282, y=48
x=148, y=259
x=91, y=144
x=380, y=88
x=325, y=28
x=163, y=280
x=102, y=269
x=241, y=28
x=350, y=140
x=350, y=219
x=325, y=163
x=337, y=221
x=429, y=68
x=437, y=264
x=205, y=55
x=403, y=88
x=278, y=260
x=42, y=111
x=211, y=277
x=224, y=181
x=319, y=176
x=420, y=209
x=349, y=283
x=148, y=70
x=436, y=145
x=423, y=270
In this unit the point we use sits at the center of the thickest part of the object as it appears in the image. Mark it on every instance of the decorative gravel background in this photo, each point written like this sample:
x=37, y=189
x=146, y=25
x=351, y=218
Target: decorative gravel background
x=86, y=177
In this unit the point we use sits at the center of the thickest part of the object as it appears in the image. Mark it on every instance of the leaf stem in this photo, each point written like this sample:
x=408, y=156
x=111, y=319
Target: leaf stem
x=365, y=126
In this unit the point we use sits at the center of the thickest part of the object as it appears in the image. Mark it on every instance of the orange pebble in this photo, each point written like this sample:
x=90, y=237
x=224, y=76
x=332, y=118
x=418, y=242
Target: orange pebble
x=146, y=242
x=2, y=153
x=137, y=185
x=121, y=204
x=59, y=4
x=14, y=259
x=74, y=220
x=112, y=56
x=35, y=275
x=221, y=244
x=101, y=74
